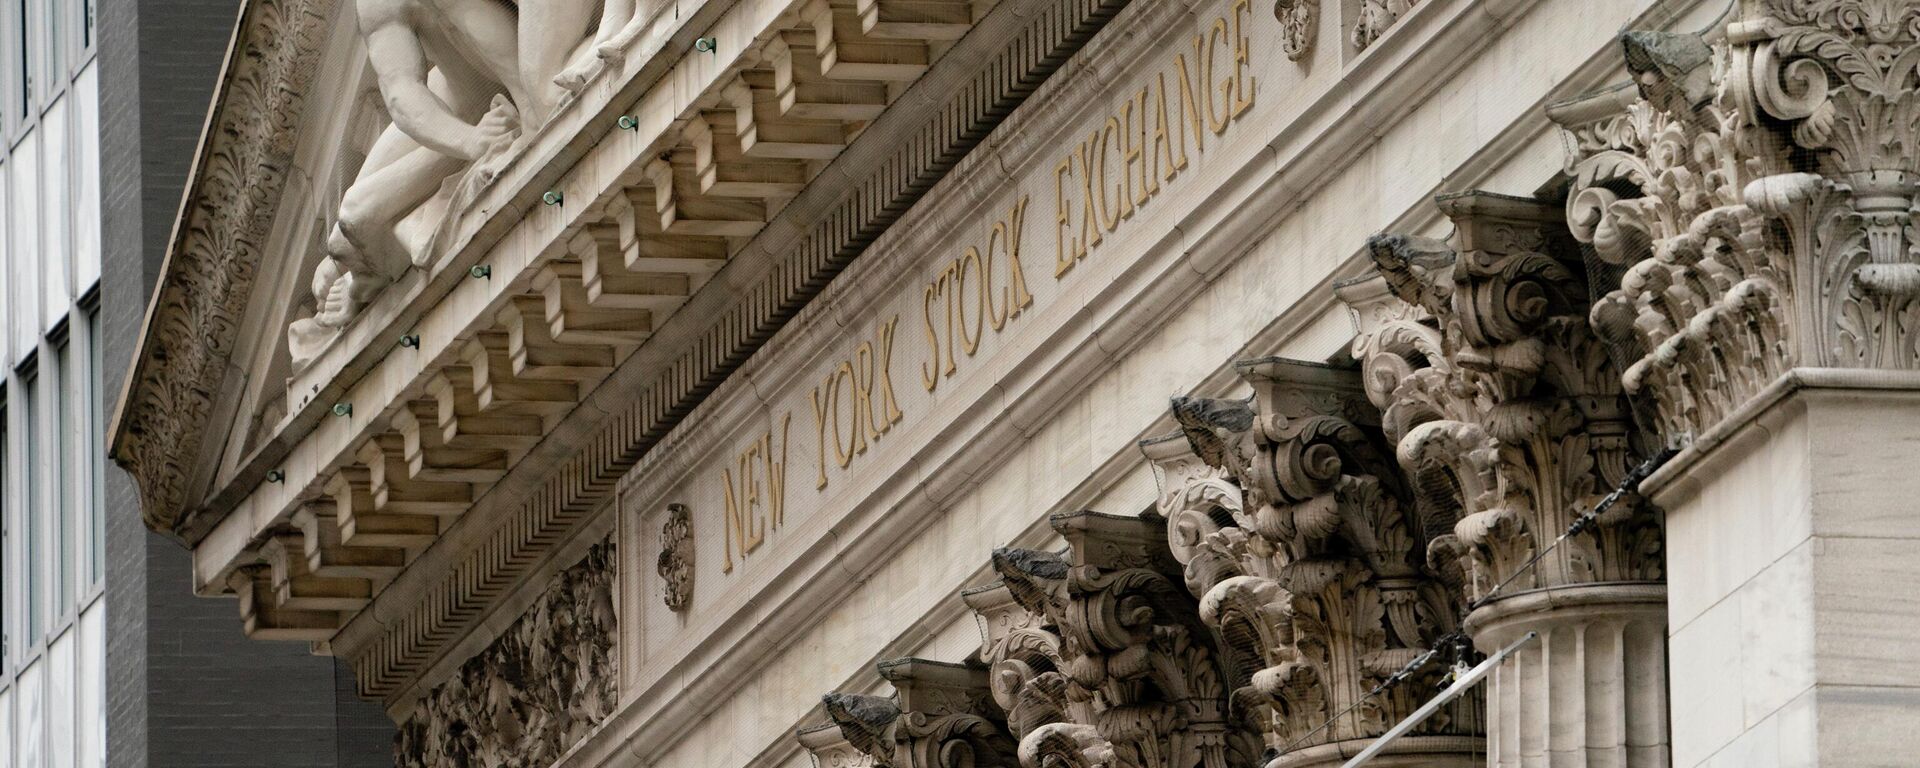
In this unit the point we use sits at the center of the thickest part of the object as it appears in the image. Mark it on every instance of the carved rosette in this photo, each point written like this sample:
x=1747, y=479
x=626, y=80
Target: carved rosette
x=1759, y=195
x=1504, y=408
x=1312, y=573
x=536, y=691
x=675, y=564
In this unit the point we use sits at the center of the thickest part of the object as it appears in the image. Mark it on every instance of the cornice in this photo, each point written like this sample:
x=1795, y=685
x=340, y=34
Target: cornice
x=193, y=321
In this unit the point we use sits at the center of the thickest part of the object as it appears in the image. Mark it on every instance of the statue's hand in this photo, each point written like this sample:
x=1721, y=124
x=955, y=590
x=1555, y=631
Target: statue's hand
x=497, y=128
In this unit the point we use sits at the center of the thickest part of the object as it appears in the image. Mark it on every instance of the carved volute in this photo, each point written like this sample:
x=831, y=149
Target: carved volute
x=940, y=715
x=1098, y=656
x=1504, y=408
x=1308, y=556
x=1758, y=195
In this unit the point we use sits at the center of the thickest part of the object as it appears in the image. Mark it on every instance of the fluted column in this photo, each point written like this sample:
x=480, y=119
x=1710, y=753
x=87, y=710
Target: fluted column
x=1755, y=205
x=1508, y=419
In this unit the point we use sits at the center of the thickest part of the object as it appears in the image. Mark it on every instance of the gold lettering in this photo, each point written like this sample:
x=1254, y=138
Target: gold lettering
x=949, y=278
x=863, y=384
x=1218, y=122
x=886, y=373
x=777, y=473
x=1163, y=144
x=1136, y=153
x=930, y=370
x=1191, y=92
x=1064, y=255
x=996, y=316
x=750, y=516
x=1244, y=85
x=971, y=343
x=1111, y=137
x=820, y=428
x=1021, y=298
x=1090, y=221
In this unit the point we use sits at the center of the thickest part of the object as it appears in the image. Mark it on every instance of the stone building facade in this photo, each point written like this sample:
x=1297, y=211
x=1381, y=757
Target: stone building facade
x=1059, y=383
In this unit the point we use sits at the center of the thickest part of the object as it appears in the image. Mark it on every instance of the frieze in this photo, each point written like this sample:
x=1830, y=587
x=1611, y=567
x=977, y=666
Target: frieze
x=536, y=690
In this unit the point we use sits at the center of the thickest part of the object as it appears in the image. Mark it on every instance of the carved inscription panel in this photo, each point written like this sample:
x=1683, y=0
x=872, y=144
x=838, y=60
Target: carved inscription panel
x=846, y=411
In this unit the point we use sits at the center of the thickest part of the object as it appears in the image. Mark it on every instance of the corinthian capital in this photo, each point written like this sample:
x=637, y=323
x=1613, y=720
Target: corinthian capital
x=1504, y=408
x=1307, y=554
x=1757, y=199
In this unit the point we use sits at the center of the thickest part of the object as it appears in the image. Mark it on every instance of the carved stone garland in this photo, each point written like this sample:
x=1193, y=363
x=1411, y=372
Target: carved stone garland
x=1374, y=17
x=1298, y=26
x=1307, y=555
x=1760, y=195
x=1508, y=418
x=675, y=565
x=535, y=691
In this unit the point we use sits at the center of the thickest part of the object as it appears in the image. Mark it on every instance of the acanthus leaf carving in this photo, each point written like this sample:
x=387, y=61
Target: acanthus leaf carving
x=1758, y=195
x=1324, y=594
x=1503, y=404
x=675, y=564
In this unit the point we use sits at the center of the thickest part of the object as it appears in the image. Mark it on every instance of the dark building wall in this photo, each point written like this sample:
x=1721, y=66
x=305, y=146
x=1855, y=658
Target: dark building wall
x=184, y=686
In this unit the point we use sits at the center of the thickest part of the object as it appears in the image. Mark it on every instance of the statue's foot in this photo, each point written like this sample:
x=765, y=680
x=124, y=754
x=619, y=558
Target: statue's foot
x=574, y=78
x=612, y=53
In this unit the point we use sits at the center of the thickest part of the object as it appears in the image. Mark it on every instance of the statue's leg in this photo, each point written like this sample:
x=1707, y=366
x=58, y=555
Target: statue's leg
x=380, y=197
x=614, y=15
x=549, y=32
x=614, y=48
x=489, y=50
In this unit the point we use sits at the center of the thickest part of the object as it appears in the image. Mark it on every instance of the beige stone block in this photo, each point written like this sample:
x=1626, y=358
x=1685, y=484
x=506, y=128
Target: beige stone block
x=1707, y=683
x=1865, y=612
x=1865, y=487
x=1866, y=727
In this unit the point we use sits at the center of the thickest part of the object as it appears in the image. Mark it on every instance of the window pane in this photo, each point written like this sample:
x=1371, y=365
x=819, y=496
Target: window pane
x=56, y=293
x=33, y=544
x=64, y=506
x=32, y=707
x=6, y=728
x=95, y=446
x=23, y=229
x=86, y=178
x=61, y=742
x=93, y=692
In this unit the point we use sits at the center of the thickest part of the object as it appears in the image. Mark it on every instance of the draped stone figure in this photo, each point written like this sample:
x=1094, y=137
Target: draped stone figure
x=463, y=81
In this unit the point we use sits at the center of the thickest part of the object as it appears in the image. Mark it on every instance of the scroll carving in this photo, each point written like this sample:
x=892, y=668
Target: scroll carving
x=1098, y=656
x=1757, y=196
x=675, y=565
x=1505, y=409
x=1307, y=554
x=940, y=715
x=538, y=689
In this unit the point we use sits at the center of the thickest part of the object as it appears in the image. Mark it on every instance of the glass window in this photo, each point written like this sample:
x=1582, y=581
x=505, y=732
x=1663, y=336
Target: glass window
x=96, y=451
x=56, y=293
x=53, y=20
x=86, y=178
x=63, y=500
x=23, y=230
x=33, y=513
x=93, y=691
x=9, y=562
x=60, y=703
x=23, y=39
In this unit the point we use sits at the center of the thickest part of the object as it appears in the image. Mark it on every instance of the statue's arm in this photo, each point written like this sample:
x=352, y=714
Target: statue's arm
x=401, y=66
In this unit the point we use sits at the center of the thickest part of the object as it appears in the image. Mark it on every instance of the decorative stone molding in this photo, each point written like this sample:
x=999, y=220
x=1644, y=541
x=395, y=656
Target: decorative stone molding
x=1505, y=410
x=538, y=689
x=1298, y=26
x=1099, y=657
x=1307, y=554
x=1758, y=196
x=1508, y=419
x=194, y=322
x=940, y=715
x=675, y=565
x=1374, y=17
